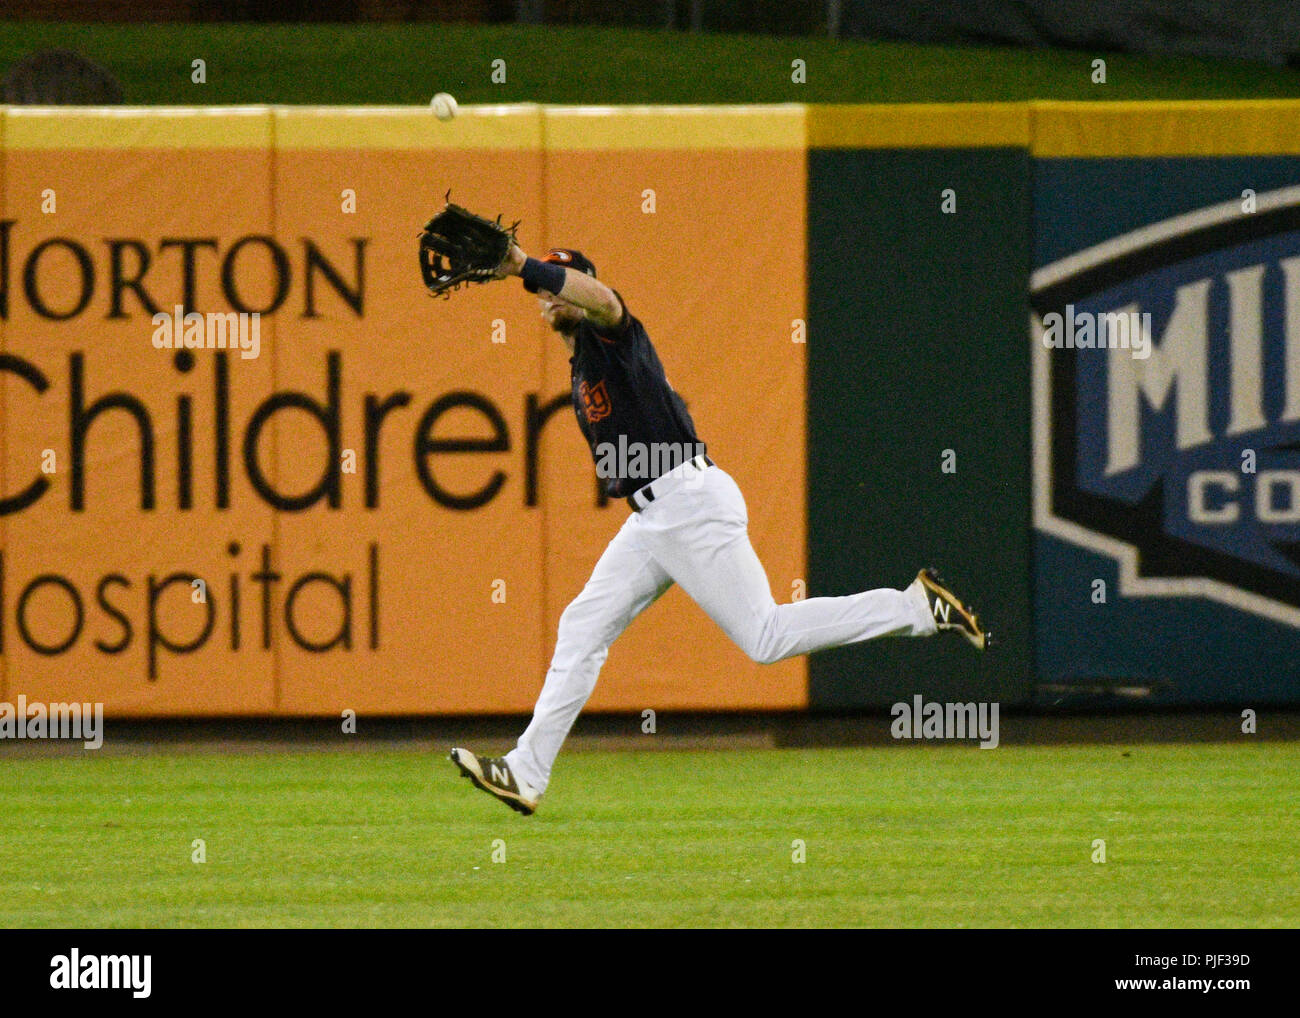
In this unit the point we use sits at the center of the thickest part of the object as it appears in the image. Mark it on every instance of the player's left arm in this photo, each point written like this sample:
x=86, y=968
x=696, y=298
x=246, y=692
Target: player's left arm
x=602, y=305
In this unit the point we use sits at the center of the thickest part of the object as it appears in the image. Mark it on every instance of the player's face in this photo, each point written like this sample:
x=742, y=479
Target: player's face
x=560, y=315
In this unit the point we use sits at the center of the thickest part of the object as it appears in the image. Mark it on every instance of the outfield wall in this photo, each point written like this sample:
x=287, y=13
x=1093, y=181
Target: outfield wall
x=390, y=505
x=1169, y=485
x=918, y=397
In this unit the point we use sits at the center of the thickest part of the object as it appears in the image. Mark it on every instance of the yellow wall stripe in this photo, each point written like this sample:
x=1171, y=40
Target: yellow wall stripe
x=1220, y=128
x=125, y=127
x=1050, y=129
x=661, y=128
x=920, y=125
x=407, y=127
x=411, y=127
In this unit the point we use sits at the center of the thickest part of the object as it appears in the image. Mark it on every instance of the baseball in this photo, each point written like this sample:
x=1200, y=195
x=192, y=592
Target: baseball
x=444, y=106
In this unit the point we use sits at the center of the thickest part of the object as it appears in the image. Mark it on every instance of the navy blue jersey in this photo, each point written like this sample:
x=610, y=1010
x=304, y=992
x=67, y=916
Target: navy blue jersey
x=636, y=424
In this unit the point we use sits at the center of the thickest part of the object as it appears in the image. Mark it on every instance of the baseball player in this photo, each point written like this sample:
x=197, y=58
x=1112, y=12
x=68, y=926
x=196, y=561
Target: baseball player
x=688, y=526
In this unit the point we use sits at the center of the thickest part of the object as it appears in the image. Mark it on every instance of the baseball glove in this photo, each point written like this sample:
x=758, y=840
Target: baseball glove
x=459, y=247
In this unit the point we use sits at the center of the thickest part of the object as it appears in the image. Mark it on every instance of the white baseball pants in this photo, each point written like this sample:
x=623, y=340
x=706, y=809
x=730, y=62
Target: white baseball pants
x=694, y=534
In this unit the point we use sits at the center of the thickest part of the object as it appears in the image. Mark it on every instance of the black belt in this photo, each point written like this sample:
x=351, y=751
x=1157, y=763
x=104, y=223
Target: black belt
x=647, y=494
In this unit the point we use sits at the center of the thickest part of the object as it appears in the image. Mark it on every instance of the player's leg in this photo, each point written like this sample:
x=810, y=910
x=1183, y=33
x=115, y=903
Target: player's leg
x=699, y=534
x=625, y=581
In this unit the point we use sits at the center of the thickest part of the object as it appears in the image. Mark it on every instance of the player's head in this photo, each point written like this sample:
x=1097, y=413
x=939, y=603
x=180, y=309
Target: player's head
x=560, y=314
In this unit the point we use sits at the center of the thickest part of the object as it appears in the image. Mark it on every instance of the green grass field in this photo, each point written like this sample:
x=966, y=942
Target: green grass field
x=1196, y=836
x=408, y=63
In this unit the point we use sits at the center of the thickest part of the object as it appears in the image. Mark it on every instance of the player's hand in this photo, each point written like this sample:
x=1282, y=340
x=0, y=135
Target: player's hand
x=514, y=263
